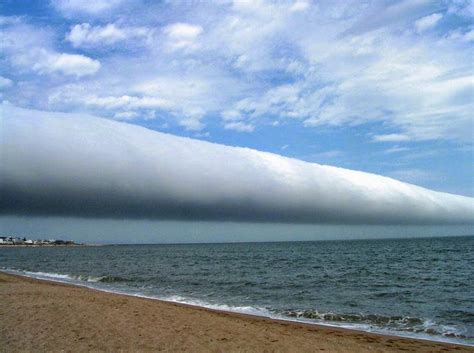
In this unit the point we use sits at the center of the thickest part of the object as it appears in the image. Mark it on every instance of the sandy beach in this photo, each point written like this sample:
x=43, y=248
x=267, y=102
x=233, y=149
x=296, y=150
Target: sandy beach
x=41, y=316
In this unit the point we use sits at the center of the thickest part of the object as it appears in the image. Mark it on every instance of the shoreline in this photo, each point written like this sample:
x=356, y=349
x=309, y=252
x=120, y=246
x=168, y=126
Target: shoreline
x=48, y=245
x=43, y=277
x=304, y=335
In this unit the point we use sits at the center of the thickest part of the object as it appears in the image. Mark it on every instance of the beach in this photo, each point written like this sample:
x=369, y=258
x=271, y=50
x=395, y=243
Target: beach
x=45, y=316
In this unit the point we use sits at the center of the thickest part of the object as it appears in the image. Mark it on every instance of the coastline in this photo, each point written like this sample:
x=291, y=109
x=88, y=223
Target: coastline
x=4, y=246
x=42, y=315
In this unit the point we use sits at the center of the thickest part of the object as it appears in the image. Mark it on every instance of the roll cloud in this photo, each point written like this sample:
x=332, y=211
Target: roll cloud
x=84, y=166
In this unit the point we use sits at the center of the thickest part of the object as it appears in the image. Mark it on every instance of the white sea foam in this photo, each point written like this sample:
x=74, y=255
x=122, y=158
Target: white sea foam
x=44, y=275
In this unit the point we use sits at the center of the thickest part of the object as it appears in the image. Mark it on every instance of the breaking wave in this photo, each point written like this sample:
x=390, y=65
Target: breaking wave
x=393, y=323
x=69, y=278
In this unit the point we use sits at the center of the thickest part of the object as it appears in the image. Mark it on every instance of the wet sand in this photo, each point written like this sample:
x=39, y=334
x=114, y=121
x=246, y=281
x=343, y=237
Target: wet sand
x=43, y=316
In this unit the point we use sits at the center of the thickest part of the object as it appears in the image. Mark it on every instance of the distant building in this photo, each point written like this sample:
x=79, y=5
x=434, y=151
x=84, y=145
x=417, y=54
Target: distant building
x=11, y=240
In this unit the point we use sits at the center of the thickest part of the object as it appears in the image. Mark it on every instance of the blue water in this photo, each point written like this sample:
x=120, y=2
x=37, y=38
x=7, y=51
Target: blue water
x=409, y=287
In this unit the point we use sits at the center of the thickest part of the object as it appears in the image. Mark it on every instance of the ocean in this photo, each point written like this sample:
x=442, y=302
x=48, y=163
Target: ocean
x=406, y=287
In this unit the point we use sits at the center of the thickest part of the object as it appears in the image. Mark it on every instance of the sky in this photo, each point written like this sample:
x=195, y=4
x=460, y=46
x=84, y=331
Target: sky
x=379, y=87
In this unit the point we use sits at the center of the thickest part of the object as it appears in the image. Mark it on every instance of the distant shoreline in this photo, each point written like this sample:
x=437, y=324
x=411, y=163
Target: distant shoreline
x=48, y=245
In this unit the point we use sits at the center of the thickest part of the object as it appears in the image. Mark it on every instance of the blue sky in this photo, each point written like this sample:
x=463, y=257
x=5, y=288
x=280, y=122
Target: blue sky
x=383, y=87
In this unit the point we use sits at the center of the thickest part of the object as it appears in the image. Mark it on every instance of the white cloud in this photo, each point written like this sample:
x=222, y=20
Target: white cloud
x=9, y=20
x=469, y=36
x=5, y=82
x=85, y=35
x=67, y=64
x=427, y=22
x=125, y=115
x=50, y=163
x=183, y=31
x=192, y=123
x=30, y=49
x=96, y=7
x=465, y=36
x=300, y=5
x=231, y=115
x=182, y=35
x=239, y=126
x=129, y=102
x=391, y=138
x=339, y=64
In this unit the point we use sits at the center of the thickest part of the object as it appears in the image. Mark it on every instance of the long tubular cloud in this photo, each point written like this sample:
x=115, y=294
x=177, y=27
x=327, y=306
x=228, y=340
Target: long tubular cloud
x=83, y=166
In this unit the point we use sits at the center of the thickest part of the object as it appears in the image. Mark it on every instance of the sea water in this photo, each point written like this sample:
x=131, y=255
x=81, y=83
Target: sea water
x=408, y=287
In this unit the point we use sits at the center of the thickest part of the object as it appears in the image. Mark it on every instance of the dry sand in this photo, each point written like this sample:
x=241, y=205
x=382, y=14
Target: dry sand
x=40, y=316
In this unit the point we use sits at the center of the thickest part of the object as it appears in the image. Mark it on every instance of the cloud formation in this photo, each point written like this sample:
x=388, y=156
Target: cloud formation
x=85, y=35
x=26, y=48
x=403, y=65
x=67, y=64
x=428, y=22
x=97, y=7
x=83, y=166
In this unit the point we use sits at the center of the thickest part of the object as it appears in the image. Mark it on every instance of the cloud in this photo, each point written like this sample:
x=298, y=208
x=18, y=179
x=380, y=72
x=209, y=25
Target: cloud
x=183, y=31
x=9, y=20
x=5, y=82
x=331, y=64
x=85, y=35
x=67, y=64
x=183, y=101
x=464, y=36
x=128, y=102
x=82, y=166
x=300, y=5
x=391, y=138
x=182, y=35
x=27, y=48
x=239, y=126
x=192, y=123
x=427, y=22
x=125, y=115
x=96, y=7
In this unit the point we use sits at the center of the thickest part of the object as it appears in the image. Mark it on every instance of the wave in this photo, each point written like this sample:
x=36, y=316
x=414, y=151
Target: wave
x=69, y=278
x=250, y=310
x=101, y=279
x=394, y=323
x=377, y=319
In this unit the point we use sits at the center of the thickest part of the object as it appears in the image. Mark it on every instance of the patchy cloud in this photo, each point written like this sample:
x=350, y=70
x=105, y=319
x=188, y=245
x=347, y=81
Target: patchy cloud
x=67, y=64
x=182, y=35
x=5, y=82
x=239, y=126
x=85, y=35
x=96, y=7
x=427, y=22
x=391, y=138
x=75, y=165
x=28, y=49
x=320, y=65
